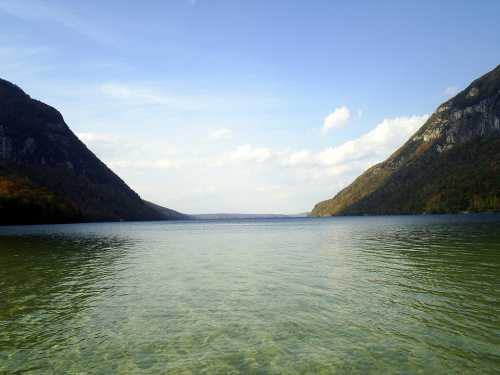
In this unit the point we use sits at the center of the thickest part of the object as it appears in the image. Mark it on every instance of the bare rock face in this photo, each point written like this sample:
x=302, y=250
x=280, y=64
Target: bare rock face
x=459, y=126
x=38, y=147
x=452, y=125
x=455, y=152
x=29, y=146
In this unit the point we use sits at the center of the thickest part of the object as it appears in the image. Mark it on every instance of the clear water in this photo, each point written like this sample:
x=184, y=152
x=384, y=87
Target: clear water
x=381, y=295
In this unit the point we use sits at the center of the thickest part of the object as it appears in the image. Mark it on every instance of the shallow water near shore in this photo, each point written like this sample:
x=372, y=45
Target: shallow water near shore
x=408, y=294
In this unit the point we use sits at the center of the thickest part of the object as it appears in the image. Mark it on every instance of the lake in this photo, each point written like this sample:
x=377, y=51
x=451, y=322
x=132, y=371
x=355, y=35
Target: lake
x=346, y=295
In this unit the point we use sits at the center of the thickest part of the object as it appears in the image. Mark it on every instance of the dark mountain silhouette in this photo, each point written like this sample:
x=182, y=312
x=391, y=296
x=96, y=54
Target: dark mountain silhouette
x=48, y=175
x=168, y=213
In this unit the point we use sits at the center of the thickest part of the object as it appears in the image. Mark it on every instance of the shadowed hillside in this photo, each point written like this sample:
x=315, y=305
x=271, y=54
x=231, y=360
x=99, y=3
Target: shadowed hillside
x=49, y=175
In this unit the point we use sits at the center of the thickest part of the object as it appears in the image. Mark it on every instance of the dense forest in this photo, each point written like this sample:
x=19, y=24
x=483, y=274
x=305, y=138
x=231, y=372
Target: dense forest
x=23, y=203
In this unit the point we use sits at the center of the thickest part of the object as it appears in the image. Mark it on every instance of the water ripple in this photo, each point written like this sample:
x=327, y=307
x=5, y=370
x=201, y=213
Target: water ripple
x=342, y=295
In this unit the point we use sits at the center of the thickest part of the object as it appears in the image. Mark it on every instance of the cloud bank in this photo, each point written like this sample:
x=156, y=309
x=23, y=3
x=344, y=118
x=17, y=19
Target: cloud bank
x=220, y=134
x=337, y=119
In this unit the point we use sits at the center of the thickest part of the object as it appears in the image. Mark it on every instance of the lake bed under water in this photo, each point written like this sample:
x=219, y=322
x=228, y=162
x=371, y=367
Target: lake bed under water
x=395, y=294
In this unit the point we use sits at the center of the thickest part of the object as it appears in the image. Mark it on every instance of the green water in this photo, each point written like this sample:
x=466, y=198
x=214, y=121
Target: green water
x=383, y=295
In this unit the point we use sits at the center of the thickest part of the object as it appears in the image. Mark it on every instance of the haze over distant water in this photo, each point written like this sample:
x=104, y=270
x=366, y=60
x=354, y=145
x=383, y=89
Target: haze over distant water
x=349, y=295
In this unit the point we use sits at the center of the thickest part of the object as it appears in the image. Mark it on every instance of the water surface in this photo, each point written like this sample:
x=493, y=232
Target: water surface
x=343, y=295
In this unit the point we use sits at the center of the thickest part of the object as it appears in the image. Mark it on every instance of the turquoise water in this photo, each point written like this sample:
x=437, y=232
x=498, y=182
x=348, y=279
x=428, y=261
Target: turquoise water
x=381, y=295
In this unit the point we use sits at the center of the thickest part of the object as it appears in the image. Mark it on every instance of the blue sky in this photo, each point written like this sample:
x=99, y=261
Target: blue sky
x=245, y=106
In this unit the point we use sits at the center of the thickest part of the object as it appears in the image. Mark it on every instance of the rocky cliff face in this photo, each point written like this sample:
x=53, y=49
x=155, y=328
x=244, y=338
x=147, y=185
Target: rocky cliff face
x=39, y=152
x=451, y=164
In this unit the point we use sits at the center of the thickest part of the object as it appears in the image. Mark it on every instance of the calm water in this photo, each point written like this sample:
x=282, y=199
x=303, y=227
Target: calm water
x=344, y=295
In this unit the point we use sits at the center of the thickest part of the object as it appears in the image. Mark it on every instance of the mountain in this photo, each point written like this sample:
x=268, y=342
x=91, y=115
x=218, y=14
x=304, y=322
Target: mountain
x=235, y=216
x=451, y=164
x=48, y=175
x=168, y=213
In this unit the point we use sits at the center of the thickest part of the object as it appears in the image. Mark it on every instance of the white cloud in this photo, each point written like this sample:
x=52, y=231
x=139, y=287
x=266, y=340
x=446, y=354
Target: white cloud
x=163, y=97
x=369, y=148
x=451, y=91
x=143, y=164
x=337, y=119
x=245, y=153
x=274, y=191
x=307, y=176
x=95, y=137
x=137, y=94
x=377, y=144
x=359, y=153
x=268, y=188
x=139, y=156
x=130, y=92
x=303, y=157
x=249, y=153
x=286, y=180
x=220, y=134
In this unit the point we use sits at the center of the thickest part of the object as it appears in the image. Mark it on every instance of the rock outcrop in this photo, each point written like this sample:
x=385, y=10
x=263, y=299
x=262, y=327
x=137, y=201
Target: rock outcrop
x=451, y=164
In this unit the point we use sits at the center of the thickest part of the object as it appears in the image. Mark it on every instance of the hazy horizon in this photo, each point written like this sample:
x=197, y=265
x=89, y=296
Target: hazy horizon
x=244, y=107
